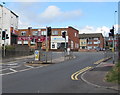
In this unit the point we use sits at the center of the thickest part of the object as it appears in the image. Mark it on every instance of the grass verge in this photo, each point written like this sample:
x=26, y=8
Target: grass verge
x=114, y=75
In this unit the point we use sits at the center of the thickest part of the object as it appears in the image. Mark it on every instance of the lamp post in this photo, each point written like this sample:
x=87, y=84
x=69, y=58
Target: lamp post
x=115, y=28
x=114, y=47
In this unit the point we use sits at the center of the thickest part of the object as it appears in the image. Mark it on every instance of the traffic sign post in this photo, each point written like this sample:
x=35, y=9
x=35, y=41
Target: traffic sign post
x=37, y=55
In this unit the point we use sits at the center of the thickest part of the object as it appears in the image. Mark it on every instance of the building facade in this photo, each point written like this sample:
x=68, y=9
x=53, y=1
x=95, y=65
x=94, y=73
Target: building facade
x=91, y=42
x=36, y=38
x=8, y=23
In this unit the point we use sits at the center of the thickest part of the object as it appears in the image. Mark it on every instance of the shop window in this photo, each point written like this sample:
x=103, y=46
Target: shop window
x=53, y=45
x=58, y=45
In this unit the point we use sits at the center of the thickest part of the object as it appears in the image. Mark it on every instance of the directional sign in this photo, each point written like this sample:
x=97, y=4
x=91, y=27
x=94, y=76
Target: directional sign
x=37, y=55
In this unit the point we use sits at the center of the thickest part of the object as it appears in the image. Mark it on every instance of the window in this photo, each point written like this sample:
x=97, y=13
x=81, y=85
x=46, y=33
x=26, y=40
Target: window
x=25, y=42
x=58, y=45
x=89, y=42
x=83, y=43
x=96, y=42
x=75, y=34
x=95, y=38
x=72, y=44
x=89, y=47
x=83, y=47
x=43, y=33
x=53, y=45
x=95, y=47
x=54, y=32
x=35, y=33
x=23, y=33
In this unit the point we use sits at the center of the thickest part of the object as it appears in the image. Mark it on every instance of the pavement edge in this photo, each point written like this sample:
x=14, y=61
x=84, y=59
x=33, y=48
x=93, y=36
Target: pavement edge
x=89, y=83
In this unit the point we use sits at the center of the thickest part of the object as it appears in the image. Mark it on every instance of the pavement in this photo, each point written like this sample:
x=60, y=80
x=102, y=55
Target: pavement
x=96, y=76
x=56, y=60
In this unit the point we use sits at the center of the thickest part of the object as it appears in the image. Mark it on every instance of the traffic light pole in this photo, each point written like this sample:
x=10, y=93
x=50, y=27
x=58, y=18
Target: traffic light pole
x=4, y=48
x=4, y=44
x=113, y=50
x=65, y=44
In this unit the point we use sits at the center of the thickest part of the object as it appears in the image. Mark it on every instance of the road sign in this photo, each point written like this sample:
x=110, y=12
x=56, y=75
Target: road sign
x=37, y=55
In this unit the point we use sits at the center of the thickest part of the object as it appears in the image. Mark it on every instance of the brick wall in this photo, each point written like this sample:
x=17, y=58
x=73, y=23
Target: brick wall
x=73, y=37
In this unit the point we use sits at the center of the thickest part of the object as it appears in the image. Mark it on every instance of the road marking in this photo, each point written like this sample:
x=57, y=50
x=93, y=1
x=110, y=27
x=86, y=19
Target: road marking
x=101, y=60
x=75, y=75
x=29, y=66
x=4, y=69
x=12, y=70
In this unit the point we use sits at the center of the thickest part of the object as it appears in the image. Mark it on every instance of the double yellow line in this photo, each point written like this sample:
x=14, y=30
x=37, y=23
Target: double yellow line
x=101, y=60
x=76, y=74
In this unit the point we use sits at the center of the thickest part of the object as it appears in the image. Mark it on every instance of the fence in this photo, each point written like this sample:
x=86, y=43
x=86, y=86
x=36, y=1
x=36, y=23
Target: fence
x=14, y=53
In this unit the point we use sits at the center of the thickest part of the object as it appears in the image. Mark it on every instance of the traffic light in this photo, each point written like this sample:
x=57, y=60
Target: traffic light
x=48, y=31
x=111, y=32
x=3, y=35
x=7, y=36
x=64, y=34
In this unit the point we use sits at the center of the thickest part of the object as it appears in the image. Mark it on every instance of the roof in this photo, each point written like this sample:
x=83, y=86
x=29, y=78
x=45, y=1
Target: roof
x=9, y=10
x=90, y=35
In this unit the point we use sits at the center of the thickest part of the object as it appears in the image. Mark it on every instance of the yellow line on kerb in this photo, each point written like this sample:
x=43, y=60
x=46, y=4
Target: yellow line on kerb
x=75, y=75
x=99, y=61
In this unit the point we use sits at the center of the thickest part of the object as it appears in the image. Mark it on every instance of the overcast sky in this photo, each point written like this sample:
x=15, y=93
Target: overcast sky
x=87, y=17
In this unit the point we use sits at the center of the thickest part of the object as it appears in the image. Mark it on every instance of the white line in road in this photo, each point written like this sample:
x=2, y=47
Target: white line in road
x=13, y=70
x=29, y=66
x=4, y=69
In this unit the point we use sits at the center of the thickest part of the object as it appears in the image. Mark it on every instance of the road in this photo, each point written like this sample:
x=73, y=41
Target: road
x=55, y=78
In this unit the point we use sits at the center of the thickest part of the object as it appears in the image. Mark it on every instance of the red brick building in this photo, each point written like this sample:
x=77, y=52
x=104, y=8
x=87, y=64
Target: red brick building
x=36, y=38
x=91, y=42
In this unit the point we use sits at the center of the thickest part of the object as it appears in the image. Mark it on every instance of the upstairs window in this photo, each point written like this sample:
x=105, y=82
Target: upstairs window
x=54, y=32
x=89, y=42
x=35, y=33
x=43, y=33
x=95, y=38
x=23, y=33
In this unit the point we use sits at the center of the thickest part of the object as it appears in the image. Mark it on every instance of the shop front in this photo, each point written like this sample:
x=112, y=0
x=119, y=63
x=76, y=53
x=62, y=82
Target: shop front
x=58, y=43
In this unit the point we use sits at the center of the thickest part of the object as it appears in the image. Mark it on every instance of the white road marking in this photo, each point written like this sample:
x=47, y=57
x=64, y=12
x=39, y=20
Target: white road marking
x=4, y=69
x=29, y=66
x=13, y=70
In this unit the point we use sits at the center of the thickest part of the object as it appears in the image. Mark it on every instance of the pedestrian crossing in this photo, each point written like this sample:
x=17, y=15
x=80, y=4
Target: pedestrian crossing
x=11, y=68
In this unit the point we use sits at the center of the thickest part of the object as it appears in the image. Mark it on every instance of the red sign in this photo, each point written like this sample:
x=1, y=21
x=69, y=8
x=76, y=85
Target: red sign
x=38, y=39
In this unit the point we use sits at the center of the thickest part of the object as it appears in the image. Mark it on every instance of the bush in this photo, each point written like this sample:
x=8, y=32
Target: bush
x=114, y=74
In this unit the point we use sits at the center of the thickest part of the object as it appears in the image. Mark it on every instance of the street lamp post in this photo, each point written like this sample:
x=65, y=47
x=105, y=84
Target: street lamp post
x=115, y=28
x=114, y=47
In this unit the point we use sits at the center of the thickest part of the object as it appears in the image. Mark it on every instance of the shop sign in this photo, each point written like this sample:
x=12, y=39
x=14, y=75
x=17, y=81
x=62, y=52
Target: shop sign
x=38, y=39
